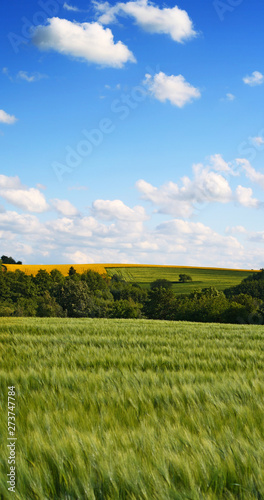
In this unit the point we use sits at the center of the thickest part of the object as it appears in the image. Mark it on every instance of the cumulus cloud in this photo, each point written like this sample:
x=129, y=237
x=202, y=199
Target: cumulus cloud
x=255, y=79
x=6, y=118
x=64, y=207
x=219, y=164
x=207, y=186
x=19, y=223
x=86, y=41
x=198, y=239
x=174, y=21
x=244, y=197
x=116, y=209
x=9, y=182
x=84, y=240
x=77, y=257
x=29, y=199
x=175, y=89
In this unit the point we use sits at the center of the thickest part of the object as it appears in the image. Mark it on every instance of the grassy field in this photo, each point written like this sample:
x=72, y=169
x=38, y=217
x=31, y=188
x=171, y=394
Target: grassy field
x=201, y=277
x=133, y=409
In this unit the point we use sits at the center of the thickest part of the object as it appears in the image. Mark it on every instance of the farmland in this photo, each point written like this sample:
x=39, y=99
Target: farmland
x=138, y=410
x=145, y=274
x=201, y=277
x=63, y=268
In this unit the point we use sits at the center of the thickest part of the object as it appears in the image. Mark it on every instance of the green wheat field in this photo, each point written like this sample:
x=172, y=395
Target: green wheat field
x=133, y=409
x=201, y=277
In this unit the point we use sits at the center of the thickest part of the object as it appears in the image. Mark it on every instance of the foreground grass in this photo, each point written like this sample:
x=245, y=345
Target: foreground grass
x=201, y=277
x=140, y=410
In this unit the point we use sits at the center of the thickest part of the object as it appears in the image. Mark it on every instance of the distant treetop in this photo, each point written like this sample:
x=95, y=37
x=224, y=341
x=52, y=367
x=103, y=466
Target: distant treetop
x=10, y=260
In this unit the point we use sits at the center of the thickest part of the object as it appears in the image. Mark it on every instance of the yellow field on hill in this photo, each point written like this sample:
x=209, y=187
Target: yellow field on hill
x=63, y=268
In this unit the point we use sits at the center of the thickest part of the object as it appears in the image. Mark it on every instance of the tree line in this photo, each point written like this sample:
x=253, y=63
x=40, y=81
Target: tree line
x=91, y=295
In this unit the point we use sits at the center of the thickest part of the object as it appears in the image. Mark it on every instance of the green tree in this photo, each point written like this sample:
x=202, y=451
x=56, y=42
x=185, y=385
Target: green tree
x=94, y=281
x=184, y=278
x=125, y=309
x=9, y=260
x=43, y=281
x=160, y=303
x=72, y=272
x=76, y=299
x=48, y=307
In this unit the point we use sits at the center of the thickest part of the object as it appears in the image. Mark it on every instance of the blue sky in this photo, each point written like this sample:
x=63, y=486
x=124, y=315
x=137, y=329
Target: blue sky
x=132, y=132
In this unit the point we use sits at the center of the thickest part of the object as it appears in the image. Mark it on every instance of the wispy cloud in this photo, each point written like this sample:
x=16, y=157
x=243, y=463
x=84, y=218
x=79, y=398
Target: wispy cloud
x=258, y=141
x=70, y=7
x=230, y=97
x=34, y=77
x=77, y=188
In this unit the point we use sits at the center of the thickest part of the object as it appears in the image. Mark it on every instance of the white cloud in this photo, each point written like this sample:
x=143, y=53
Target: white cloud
x=6, y=118
x=9, y=182
x=207, y=186
x=172, y=88
x=77, y=257
x=173, y=21
x=251, y=173
x=255, y=79
x=19, y=223
x=64, y=207
x=86, y=240
x=29, y=199
x=167, y=198
x=219, y=164
x=244, y=197
x=70, y=7
x=116, y=209
x=87, y=41
x=24, y=75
